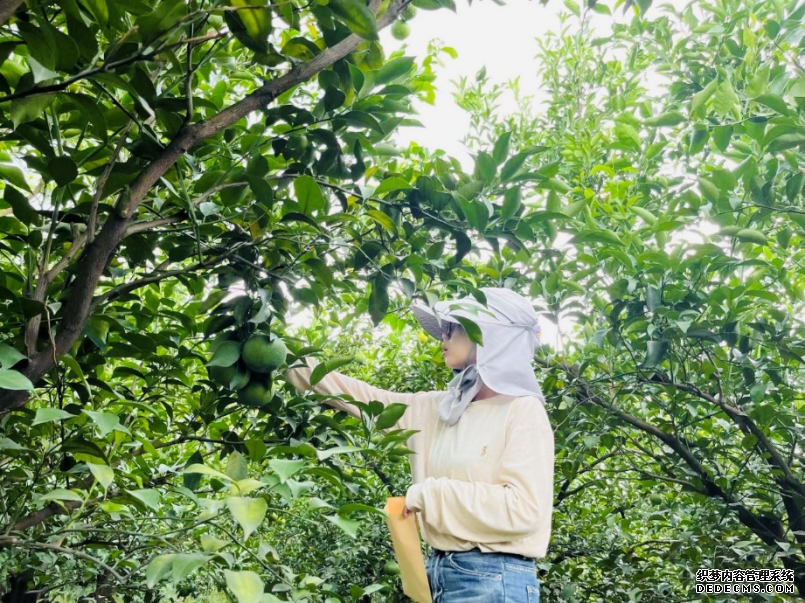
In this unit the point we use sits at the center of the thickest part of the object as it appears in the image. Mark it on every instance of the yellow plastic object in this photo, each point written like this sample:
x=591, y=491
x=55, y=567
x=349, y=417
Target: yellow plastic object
x=405, y=539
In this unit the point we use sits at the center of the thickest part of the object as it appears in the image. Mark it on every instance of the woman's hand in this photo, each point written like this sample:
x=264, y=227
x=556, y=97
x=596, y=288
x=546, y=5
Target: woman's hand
x=406, y=511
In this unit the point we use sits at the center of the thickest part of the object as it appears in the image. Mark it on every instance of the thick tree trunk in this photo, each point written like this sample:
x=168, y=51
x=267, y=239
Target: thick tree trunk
x=8, y=8
x=99, y=252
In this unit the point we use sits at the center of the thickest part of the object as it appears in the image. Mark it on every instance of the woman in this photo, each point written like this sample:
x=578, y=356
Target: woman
x=483, y=464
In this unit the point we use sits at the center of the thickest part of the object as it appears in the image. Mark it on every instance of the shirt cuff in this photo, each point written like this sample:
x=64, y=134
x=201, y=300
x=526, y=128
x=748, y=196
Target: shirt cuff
x=413, y=498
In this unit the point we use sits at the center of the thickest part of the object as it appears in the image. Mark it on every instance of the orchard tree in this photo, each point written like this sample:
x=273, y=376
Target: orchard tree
x=176, y=178
x=667, y=221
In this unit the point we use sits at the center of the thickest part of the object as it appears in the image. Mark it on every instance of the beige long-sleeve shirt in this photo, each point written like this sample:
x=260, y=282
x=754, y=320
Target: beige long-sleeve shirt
x=485, y=482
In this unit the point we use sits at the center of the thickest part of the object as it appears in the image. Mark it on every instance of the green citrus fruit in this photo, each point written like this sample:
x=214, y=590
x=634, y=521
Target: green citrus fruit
x=400, y=30
x=655, y=499
x=222, y=374
x=408, y=12
x=255, y=395
x=391, y=568
x=263, y=355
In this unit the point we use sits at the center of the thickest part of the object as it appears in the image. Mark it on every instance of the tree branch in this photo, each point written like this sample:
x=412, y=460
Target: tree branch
x=155, y=278
x=106, y=67
x=98, y=253
x=13, y=541
x=748, y=426
x=8, y=8
x=768, y=529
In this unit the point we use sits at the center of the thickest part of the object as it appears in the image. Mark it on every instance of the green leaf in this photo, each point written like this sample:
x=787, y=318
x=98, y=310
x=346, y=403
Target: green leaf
x=92, y=114
x=29, y=108
x=709, y=190
x=513, y=165
x=61, y=494
x=393, y=69
x=360, y=508
x=501, y=149
x=98, y=9
x=390, y=415
x=512, y=202
x=63, y=170
x=472, y=329
x=773, y=102
x=16, y=381
x=669, y=118
x=285, y=468
x=434, y=4
x=573, y=7
x=210, y=544
x=392, y=184
x=184, y=564
x=246, y=586
x=236, y=466
x=792, y=189
x=485, y=167
x=47, y=415
x=257, y=21
x=476, y=212
x=787, y=141
x=248, y=512
x=626, y=132
x=191, y=480
x=649, y=217
x=655, y=352
x=724, y=99
x=9, y=444
x=605, y=236
x=350, y=526
x=361, y=119
x=14, y=175
x=700, y=98
x=378, y=299
x=326, y=367
x=150, y=498
x=752, y=236
x=325, y=454
x=308, y=195
x=204, y=470
x=78, y=445
x=759, y=84
x=463, y=245
x=106, y=422
x=103, y=473
x=225, y=354
x=721, y=137
x=383, y=220
x=357, y=16
x=20, y=206
x=653, y=298
x=158, y=568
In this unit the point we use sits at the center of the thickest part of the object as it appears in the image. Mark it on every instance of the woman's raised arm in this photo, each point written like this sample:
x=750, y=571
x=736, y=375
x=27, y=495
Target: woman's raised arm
x=335, y=383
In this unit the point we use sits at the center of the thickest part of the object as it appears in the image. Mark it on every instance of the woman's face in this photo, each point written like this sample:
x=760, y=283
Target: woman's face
x=456, y=345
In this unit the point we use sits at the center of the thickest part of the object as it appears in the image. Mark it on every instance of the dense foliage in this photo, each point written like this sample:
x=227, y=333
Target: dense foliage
x=180, y=178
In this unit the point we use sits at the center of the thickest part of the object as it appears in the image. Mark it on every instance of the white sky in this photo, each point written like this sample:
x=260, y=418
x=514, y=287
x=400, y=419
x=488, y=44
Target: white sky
x=500, y=38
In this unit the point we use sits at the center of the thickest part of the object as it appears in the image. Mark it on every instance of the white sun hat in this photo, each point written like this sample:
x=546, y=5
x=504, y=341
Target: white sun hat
x=510, y=334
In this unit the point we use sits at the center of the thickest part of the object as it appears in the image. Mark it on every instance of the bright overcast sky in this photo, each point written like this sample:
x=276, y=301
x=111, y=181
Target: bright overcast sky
x=500, y=38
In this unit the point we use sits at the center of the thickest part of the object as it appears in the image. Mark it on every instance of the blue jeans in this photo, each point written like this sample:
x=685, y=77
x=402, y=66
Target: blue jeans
x=476, y=577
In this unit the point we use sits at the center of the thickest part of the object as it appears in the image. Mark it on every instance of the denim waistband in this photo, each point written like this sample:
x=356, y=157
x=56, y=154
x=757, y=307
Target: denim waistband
x=478, y=551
